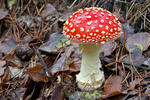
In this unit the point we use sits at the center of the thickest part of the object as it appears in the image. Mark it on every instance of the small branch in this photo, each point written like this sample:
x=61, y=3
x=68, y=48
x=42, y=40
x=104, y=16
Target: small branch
x=42, y=62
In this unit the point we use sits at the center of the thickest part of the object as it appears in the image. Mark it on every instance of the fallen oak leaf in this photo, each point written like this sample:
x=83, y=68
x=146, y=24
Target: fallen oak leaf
x=112, y=86
x=36, y=74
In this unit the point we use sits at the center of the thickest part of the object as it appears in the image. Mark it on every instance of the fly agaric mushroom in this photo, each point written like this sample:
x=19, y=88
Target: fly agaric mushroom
x=91, y=28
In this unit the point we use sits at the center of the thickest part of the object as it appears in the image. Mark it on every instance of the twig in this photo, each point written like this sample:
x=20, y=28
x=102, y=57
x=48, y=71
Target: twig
x=42, y=62
x=120, y=59
x=73, y=3
x=137, y=66
x=134, y=67
x=14, y=21
x=117, y=56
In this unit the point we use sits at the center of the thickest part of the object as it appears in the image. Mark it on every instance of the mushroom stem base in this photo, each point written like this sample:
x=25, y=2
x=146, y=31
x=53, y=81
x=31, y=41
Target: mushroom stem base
x=87, y=86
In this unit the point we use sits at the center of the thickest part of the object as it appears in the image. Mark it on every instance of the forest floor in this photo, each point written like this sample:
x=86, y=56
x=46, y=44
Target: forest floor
x=37, y=62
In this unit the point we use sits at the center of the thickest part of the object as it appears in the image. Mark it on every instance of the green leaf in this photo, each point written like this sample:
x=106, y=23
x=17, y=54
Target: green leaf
x=61, y=42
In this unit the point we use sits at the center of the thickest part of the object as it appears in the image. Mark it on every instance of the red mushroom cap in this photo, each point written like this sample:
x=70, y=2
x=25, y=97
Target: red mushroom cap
x=92, y=25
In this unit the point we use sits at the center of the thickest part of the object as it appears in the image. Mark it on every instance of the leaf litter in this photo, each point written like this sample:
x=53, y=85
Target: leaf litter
x=139, y=39
x=112, y=86
x=39, y=24
x=3, y=13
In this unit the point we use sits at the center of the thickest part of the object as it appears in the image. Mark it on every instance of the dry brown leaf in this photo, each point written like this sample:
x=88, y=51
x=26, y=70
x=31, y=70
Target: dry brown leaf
x=7, y=46
x=2, y=68
x=133, y=83
x=147, y=62
x=108, y=48
x=15, y=72
x=18, y=93
x=129, y=31
x=112, y=86
x=37, y=74
x=63, y=62
x=49, y=10
x=148, y=90
x=58, y=93
x=3, y=13
x=142, y=39
x=52, y=45
x=119, y=97
x=38, y=77
x=14, y=61
x=136, y=57
x=66, y=15
x=5, y=75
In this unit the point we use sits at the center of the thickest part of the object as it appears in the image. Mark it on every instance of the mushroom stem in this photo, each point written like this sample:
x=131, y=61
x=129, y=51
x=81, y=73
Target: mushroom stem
x=90, y=76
